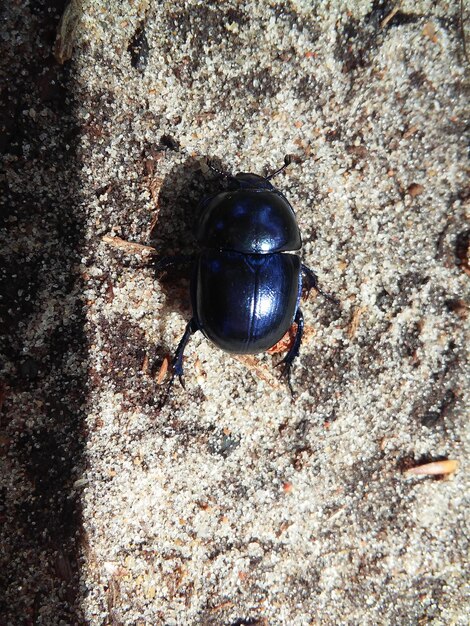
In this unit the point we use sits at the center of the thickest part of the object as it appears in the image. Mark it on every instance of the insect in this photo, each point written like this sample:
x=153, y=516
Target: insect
x=247, y=279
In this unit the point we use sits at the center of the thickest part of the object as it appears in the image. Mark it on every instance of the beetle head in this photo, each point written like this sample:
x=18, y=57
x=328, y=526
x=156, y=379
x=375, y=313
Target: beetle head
x=250, y=181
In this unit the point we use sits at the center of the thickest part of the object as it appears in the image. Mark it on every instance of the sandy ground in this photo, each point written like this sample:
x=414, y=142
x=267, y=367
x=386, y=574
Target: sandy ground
x=232, y=505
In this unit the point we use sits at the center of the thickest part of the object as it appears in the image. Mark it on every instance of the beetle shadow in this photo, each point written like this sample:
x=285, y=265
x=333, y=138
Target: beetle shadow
x=179, y=208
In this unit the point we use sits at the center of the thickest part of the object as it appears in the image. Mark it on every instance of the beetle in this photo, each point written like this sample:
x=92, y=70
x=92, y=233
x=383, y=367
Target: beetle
x=247, y=279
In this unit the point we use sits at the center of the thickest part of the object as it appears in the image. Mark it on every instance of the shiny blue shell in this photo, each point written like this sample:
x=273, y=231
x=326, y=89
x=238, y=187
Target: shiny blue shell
x=253, y=217
x=246, y=287
x=245, y=303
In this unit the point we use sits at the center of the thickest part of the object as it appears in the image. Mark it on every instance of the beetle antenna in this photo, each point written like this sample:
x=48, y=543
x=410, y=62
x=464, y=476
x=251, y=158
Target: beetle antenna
x=287, y=161
x=286, y=374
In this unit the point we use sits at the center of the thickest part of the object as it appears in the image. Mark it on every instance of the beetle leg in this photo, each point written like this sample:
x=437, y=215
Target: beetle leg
x=191, y=328
x=294, y=349
x=312, y=283
x=165, y=262
x=177, y=363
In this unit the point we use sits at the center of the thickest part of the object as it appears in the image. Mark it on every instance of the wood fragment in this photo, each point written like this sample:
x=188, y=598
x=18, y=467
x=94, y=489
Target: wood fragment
x=355, y=320
x=162, y=372
x=436, y=468
x=257, y=368
x=220, y=607
x=429, y=31
x=390, y=16
x=145, y=364
x=128, y=246
x=113, y=594
x=155, y=185
x=153, y=223
x=410, y=132
x=286, y=342
x=66, y=31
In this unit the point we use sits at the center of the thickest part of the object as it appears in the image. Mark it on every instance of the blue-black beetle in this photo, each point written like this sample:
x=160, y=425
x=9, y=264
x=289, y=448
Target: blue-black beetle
x=247, y=280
